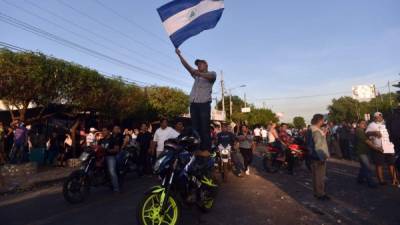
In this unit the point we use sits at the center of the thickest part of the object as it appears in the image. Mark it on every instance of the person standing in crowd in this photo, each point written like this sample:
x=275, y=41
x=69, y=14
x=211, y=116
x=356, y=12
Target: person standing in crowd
x=257, y=134
x=8, y=141
x=127, y=138
x=144, y=140
x=90, y=138
x=68, y=147
x=111, y=143
x=38, y=141
x=376, y=131
x=161, y=135
x=53, y=149
x=179, y=127
x=363, y=146
x=2, y=144
x=18, y=152
x=272, y=134
x=393, y=126
x=264, y=135
x=285, y=140
x=319, y=153
x=246, y=146
x=200, y=104
x=344, y=140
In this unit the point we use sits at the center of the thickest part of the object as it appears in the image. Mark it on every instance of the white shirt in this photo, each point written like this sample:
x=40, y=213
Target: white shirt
x=384, y=141
x=373, y=127
x=257, y=132
x=90, y=138
x=162, y=135
x=264, y=133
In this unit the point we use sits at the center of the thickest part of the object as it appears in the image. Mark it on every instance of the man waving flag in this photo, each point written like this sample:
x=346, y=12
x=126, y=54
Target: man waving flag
x=183, y=19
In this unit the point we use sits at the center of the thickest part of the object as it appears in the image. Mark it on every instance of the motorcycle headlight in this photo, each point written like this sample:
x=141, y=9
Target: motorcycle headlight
x=84, y=156
x=158, y=164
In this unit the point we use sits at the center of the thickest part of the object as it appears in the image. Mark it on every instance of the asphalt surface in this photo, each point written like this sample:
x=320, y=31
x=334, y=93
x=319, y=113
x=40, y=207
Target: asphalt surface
x=257, y=199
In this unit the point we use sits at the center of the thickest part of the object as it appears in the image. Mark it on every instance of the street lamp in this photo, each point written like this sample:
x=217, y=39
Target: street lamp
x=230, y=98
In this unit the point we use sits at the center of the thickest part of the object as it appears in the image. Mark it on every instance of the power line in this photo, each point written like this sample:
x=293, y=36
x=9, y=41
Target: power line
x=113, y=29
x=22, y=25
x=132, y=22
x=105, y=74
x=98, y=35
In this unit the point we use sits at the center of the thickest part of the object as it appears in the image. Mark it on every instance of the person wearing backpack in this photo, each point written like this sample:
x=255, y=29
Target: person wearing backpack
x=318, y=154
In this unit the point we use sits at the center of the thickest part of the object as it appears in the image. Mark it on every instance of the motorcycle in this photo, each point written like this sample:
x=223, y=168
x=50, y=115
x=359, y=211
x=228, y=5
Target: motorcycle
x=93, y=173
x=274, y=159
x=224, y=160
x=180, y=185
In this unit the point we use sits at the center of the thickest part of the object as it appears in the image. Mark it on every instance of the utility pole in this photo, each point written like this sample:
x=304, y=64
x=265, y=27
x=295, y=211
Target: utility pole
x=230, y=105
x=245, y=103
x=223, y=91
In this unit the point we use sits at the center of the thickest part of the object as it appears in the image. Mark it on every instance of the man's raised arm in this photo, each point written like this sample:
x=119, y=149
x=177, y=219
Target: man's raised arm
x=190, y=69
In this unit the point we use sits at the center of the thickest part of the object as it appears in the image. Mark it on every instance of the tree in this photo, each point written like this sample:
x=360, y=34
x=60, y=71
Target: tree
x=260, y=116
x=299, y=122
x=28, y=78
x=169, y=102
x=350, y=110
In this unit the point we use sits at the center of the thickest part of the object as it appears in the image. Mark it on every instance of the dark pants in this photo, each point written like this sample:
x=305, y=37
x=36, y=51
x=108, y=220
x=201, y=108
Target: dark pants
x=345, y=147
x=200, y=114
x=18, y=154
x=247, y=157
x=365, y=173
x=289, y=160
x=238, y=161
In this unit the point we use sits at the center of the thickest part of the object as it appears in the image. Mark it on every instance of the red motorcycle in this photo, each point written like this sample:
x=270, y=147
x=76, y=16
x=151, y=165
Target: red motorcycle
x=275, y=157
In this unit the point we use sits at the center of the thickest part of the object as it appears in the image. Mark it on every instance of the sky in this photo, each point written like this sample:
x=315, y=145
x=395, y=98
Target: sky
x=293, y=56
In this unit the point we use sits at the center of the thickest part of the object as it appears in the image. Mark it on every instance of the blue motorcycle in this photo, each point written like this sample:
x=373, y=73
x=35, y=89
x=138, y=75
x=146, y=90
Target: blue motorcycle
x=182, y=183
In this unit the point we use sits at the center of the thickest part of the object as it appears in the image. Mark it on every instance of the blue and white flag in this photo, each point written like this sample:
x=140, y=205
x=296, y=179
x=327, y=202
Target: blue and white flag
x=183, y=19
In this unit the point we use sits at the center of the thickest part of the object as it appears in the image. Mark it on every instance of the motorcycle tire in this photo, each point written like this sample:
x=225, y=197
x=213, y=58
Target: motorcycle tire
x=148, y=210
x=269, y=165
x=76, y=187
x=207, y=204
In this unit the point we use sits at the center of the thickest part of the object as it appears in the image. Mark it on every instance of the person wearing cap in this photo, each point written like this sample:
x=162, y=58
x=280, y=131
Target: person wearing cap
x=375, y=132
x=200, y=100
x=90, y=138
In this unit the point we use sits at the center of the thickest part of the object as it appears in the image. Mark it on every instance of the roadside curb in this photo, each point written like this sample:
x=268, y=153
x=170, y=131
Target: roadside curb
x=25, y=187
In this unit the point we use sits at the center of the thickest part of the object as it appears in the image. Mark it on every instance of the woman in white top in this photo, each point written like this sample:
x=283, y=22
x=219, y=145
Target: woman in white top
x=272, y=133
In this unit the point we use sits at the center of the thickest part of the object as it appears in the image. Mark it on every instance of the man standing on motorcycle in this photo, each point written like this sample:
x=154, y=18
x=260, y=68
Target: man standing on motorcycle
x=286, y=140
x=111, y=145
x=200, y=103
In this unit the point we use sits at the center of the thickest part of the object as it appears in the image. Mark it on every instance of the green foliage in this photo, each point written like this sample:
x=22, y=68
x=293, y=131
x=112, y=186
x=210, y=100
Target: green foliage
x=350, y=110
x=169, y=102
x=260, y=116
x=299, y=122
x=28, y=77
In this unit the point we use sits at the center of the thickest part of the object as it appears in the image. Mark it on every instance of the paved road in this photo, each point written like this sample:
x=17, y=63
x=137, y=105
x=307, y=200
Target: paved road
x=257, y=199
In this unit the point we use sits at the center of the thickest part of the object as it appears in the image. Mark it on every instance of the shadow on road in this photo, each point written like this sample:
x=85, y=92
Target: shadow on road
x=351, y=203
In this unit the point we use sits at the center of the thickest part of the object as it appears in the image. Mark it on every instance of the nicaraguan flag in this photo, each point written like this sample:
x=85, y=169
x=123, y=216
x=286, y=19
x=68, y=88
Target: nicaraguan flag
x=183, y=19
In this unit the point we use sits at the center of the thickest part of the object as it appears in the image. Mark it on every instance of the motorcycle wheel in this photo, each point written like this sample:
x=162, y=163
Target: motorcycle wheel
x=208, y=195
x=270, y=165
x=76, y=187
x=149, y=208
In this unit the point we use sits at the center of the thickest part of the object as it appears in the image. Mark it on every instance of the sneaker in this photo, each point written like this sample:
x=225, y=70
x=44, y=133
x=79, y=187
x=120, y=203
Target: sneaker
x=248, y=171
x=240, y=174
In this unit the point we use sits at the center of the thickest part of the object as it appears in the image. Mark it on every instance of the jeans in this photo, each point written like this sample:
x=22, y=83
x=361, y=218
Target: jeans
x=112, y=170
x=247, y=157
x=365, y=173
x=18, y=154
x=200, y=114
x=237, y=160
